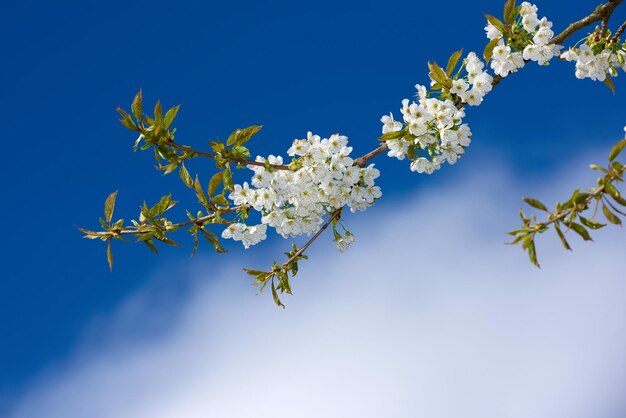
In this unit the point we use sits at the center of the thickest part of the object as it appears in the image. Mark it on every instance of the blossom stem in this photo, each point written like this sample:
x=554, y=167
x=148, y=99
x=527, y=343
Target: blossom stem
x=335, y=215
x=212, y=155
x=197, y=221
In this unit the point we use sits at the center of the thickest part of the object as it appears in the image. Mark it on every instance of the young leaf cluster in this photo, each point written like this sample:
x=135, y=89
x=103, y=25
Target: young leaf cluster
x=568, y=216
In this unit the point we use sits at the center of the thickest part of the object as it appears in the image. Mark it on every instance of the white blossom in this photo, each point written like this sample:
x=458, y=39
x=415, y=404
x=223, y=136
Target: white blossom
x=390, y=125
x=492, y=31
x=295, y=202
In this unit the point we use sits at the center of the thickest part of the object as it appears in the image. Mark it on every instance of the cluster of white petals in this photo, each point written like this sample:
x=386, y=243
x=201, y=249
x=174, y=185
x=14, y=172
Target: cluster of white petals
x=248, y=235
x=293, y=202
x=506, y=60
x=343, y=242
x=472, y=88
x=540, y=50
x=432, y=131
x=435, y=128
x=596, y=66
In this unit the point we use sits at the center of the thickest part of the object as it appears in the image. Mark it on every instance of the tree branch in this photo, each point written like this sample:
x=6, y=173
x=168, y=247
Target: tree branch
x=335, y=215
x=601, y=12
x=212, y=156
x=619, y=31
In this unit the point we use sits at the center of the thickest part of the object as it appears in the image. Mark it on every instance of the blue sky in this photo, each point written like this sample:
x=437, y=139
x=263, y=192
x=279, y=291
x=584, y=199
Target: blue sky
x=326, y=67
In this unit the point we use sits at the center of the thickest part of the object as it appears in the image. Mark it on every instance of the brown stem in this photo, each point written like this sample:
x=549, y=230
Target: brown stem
x=604, y=27
x=200, y=220
x=563, y=214
x=601, y=12
x=335, y=215
x=212, y=155
x=619, y=32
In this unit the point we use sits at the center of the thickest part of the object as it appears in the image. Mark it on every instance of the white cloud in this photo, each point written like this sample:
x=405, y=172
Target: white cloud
x=428, y=315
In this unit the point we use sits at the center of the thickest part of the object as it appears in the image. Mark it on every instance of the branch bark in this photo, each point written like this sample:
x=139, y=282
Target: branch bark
x=601, y=12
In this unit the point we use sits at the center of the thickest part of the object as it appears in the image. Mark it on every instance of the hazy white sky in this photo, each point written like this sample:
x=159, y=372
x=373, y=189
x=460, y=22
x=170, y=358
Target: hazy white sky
x=428, y=315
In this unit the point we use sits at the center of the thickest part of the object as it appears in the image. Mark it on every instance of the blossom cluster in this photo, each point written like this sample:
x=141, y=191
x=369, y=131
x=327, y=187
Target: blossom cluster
x=596, y=66
x=433, y=131
x=534, y=36
x=479, y=80
x=540, y=50
x=293, y=202
x=248, y=235
x=436, y=133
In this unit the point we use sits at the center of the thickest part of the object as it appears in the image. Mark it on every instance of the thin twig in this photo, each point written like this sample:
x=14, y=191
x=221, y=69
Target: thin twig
x=196, y=221
x=335, y=215
x=212, y=155
x=619, y=32
x=604, y=28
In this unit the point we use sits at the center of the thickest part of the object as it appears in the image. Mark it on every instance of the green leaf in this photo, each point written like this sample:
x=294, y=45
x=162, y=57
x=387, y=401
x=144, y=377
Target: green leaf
x=611, y=190
x=495, y=22
x=393, y=135
x=241, y=136
x=437, y=74
x=619, y=199
x=610, y=216
x=128, y=122
x=410, y=152
x=580, y=230
x=453, y=61
x=220, y=199
x=109, y=206
x=145, y=236
x=227, y=177
x=196, y=242
x=562, y=237
x=488, y=52
x=535, y=203
x=275, y=296
x=509, y=11
x=214, y=183
x=150, y=244
x=164, y=204
x=104, y=224
x=147, y=213
x=169, y=168
x=580, y=197
x=212, y=238
x=590, y=224
x=158, y=113
x=168, y=241
x=240, y=152
x=185, y=176
x=609, y=83
x=608, y=202
x=200, y=192
x=598, y=168
x=109, y=254
x=137, y=106
x=217, y=146
x=170, y=116
x=259, y=275
x=617, y=149
x=532, y=253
